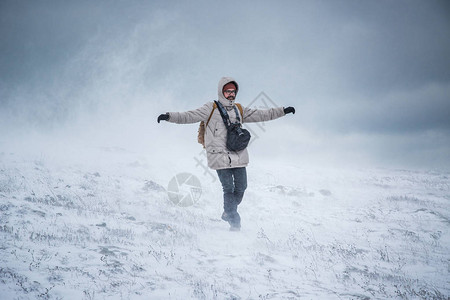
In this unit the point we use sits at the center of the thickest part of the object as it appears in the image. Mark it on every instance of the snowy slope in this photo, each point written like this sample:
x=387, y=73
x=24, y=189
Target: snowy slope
x=89, y=231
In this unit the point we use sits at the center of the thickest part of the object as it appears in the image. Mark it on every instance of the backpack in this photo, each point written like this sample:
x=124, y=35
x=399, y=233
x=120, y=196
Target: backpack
x=202, y=127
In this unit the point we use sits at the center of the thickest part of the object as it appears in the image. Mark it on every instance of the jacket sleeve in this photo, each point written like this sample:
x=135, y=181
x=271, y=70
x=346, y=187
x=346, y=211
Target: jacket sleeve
x=191, y=116
x=261, y=115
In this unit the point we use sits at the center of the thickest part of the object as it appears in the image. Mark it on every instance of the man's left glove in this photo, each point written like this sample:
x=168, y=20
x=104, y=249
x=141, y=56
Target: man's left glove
x=288, y=110
x=163, y=117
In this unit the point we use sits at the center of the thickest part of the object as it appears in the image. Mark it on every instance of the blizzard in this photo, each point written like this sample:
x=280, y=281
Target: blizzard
x=106, y=229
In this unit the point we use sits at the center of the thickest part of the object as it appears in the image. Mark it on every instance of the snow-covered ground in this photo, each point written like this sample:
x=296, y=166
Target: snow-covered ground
x=72, y=230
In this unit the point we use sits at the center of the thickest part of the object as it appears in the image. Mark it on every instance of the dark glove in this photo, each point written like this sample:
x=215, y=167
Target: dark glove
x=163, y=117
x=288, y=110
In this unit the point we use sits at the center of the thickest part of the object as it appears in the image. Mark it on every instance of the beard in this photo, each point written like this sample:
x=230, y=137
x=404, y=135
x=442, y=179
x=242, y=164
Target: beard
x=231, y=98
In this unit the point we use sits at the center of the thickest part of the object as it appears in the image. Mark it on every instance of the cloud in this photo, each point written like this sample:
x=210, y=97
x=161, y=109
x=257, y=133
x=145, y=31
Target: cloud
x=398, y=112
x=359, y=69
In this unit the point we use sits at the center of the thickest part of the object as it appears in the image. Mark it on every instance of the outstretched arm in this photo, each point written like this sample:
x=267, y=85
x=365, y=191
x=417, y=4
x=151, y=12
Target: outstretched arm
x=261, y=115
x=187, y=117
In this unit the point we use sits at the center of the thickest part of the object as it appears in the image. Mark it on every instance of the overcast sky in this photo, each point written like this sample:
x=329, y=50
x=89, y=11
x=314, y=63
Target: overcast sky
x=370, y=80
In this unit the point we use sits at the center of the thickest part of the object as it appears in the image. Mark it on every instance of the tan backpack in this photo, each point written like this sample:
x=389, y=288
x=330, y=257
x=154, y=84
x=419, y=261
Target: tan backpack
x=202, y=127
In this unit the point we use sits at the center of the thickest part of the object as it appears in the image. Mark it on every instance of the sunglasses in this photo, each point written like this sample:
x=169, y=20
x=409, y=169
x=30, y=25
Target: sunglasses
x=230, y=92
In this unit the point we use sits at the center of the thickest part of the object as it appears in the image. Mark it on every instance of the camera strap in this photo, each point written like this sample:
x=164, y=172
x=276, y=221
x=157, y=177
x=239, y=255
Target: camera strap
x=225, y=116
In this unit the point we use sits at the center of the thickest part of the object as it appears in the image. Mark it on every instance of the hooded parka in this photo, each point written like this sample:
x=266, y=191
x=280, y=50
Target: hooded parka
x=218, y=156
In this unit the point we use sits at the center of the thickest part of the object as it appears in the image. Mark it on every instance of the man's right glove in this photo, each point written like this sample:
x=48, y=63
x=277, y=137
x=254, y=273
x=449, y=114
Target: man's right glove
x=163, y=117
x=288, y=110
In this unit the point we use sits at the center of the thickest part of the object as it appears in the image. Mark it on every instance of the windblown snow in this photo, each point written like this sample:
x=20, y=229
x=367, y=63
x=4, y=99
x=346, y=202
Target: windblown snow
x=91, y=231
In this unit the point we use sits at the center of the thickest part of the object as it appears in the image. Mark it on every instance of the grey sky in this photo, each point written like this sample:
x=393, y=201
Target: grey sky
x=366, y=77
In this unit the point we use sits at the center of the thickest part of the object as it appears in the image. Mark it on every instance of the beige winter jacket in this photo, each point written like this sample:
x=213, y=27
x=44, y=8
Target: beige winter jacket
x=218, y=156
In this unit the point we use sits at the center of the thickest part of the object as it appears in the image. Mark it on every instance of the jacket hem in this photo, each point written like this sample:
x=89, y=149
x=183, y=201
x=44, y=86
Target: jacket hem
x=229, y=167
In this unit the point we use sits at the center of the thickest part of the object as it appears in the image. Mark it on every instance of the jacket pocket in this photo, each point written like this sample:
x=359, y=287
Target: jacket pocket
x=217, y=158
x=214, y=150
x=219, y=130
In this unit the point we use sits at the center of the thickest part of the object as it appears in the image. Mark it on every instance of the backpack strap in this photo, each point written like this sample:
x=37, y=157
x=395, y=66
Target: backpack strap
x=241, y=111
x=210, y=115
x=202, y=127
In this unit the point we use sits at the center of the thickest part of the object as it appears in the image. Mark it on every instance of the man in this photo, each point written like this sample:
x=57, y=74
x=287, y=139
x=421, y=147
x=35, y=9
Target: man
x=230, y=165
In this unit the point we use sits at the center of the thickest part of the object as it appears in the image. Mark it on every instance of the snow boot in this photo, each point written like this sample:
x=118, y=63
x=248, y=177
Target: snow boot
x=226, y=217
x=233, y=219
x=235, y=227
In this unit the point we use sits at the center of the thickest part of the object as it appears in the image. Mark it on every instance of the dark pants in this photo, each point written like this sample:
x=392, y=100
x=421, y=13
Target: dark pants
x=234, y=183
